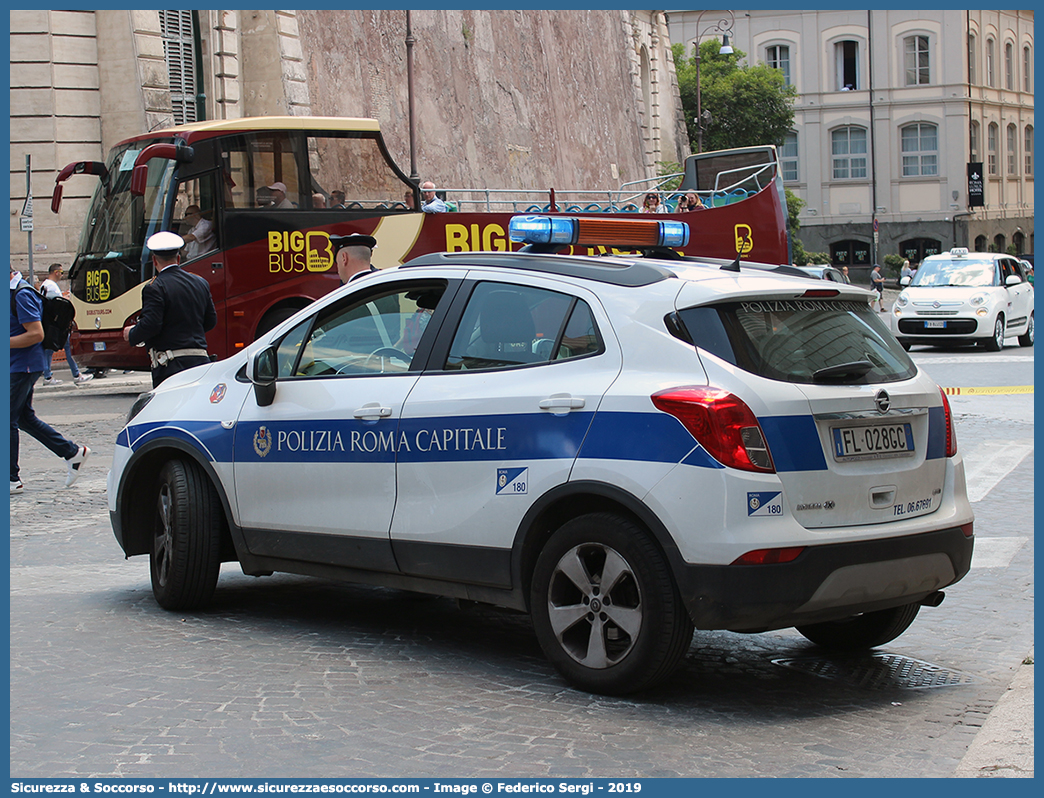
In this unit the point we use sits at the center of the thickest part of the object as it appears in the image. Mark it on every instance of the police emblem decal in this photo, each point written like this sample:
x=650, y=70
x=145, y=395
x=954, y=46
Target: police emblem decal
x=262, y=441
x=218, y=393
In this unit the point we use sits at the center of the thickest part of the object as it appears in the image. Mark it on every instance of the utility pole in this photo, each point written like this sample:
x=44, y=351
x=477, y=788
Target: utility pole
x=25, y=221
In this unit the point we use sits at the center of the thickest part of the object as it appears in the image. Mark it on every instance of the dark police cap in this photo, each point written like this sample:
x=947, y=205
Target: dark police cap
x=352, y=240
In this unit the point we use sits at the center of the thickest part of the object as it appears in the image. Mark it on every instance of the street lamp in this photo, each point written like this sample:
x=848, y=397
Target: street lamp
x=724, y=27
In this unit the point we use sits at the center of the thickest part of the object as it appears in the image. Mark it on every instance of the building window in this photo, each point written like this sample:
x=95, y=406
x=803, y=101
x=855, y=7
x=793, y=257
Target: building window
x=1009, y=66
x=972, y=41
x=789, y=157
x=990, y=77
x=180, y=48
x=973, y=141
x=917, y=249
x=1013, y=150
x=850, y=253
x=991, y=149
x=778, y=57
x=980, y=243
x=916, y=60
x=920, y=146
x=999, y=243
x=846, y=65
x=1027, y=69
x=848, y=147
x=1027, y=149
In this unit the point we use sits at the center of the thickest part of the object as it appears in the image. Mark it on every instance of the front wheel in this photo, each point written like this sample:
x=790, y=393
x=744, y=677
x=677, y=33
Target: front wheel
x=186, y=543
x=996, y=343
x=1026, y=339
x=605, y=607
x=864, y=631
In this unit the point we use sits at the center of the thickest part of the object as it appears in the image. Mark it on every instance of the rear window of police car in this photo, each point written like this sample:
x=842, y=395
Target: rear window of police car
x=792, y=339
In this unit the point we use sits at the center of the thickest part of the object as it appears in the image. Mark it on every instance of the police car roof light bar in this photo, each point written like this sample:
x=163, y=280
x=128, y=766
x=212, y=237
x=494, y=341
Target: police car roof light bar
x=624, y=233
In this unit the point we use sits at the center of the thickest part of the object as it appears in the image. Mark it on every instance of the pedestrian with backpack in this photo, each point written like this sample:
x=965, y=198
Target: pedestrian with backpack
x=27, y=364
x=50, y=289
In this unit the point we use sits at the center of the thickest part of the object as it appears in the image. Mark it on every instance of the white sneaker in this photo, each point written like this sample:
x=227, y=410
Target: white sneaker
x=16, y=486
x=82, y=378
x=52, y=381
x=74, y=463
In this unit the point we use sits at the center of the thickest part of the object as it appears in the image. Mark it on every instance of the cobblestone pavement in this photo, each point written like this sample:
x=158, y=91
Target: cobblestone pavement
x=288, y=676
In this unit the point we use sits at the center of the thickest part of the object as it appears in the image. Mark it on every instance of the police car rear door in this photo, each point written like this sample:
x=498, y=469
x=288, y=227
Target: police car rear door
x=497, y=421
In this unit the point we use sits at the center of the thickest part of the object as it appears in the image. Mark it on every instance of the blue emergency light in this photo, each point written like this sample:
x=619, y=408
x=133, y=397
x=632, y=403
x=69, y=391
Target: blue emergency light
x=601, y=231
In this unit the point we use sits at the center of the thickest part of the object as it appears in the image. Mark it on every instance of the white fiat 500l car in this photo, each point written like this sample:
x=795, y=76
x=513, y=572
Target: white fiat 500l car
x=965, y=297
x=627, y=448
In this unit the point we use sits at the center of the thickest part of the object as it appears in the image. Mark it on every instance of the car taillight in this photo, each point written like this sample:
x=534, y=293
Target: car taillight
x=951, y=433
x=722, y=424
x=769, y=556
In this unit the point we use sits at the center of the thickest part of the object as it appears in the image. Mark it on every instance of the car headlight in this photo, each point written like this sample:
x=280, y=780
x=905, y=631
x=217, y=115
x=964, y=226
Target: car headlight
x=139, y=405
x=903, y=300
x=979, y=299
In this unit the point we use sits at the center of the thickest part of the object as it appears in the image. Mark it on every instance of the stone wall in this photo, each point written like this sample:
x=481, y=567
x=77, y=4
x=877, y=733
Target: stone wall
x=503, y=98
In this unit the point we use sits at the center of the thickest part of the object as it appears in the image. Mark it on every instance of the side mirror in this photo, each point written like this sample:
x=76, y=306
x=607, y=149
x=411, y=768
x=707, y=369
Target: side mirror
x=261, y=371
x=1012, y=279
x=905, y=281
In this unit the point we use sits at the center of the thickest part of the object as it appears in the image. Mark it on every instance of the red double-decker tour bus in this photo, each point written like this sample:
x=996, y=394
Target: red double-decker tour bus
x=266, y=256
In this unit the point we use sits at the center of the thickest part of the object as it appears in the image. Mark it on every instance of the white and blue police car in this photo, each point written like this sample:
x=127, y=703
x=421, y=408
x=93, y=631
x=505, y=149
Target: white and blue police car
x=627, y=447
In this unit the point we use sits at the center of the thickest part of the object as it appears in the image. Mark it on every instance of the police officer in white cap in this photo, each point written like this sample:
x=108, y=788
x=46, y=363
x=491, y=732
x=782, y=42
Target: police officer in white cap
x=176, y=312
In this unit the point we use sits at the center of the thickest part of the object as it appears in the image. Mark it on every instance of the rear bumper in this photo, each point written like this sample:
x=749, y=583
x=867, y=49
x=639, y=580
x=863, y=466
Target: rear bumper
x=825, y=582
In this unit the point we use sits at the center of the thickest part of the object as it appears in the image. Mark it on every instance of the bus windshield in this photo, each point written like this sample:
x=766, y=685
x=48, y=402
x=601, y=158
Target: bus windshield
x=117, y=225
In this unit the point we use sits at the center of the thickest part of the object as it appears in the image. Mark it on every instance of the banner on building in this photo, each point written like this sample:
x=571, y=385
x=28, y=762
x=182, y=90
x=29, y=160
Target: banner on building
x=976, y=192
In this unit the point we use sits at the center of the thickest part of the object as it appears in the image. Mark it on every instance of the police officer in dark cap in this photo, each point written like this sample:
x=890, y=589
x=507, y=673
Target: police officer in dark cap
x=176, y=312
x=352, y=255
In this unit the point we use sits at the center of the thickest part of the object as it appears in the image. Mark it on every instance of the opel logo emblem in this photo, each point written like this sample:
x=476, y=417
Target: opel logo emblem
x=882, y=401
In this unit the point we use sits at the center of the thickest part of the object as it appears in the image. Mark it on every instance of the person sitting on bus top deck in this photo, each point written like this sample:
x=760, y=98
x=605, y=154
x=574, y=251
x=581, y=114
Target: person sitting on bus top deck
x=691, y=202
x=318, y=200
x=337, y=198
x=200, y=239
x=279, y=198
x=407, y=198
x=651, y=204
x=352, y=255
x=430, y=203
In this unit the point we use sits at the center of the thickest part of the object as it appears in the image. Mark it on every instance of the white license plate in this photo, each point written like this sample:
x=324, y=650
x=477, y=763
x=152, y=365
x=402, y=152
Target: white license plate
x=879, y=440
x=99, y=346
x=935, y=325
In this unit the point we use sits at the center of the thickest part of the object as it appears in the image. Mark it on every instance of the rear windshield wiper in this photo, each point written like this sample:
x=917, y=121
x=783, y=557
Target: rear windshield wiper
x=857, y=368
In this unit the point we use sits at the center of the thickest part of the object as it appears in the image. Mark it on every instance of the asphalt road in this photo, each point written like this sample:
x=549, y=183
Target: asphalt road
x=290, y=677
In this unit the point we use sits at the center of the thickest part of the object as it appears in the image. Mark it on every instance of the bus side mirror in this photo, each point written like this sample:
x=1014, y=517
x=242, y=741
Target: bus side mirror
x=261, y=371
x=139, y=180
x=56, y=198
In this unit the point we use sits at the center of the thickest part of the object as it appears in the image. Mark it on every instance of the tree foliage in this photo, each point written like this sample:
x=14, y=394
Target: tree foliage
x=748, y=105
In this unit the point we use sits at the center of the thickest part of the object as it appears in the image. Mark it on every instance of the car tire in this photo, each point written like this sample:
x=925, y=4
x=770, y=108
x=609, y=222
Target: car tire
x=185, y=555
x=996, y=343
x=1026, y=339
x=614, y=641
x=864, y=631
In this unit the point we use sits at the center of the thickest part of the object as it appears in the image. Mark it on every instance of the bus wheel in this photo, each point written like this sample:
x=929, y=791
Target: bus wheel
x=272, y=319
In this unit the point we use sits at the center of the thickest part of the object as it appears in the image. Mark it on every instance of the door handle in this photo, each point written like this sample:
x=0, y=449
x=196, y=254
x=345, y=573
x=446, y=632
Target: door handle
x=562, y=402
x=372, y=411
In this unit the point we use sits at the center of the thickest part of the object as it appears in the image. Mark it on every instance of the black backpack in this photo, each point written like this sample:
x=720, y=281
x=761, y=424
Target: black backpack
x=56, y=316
